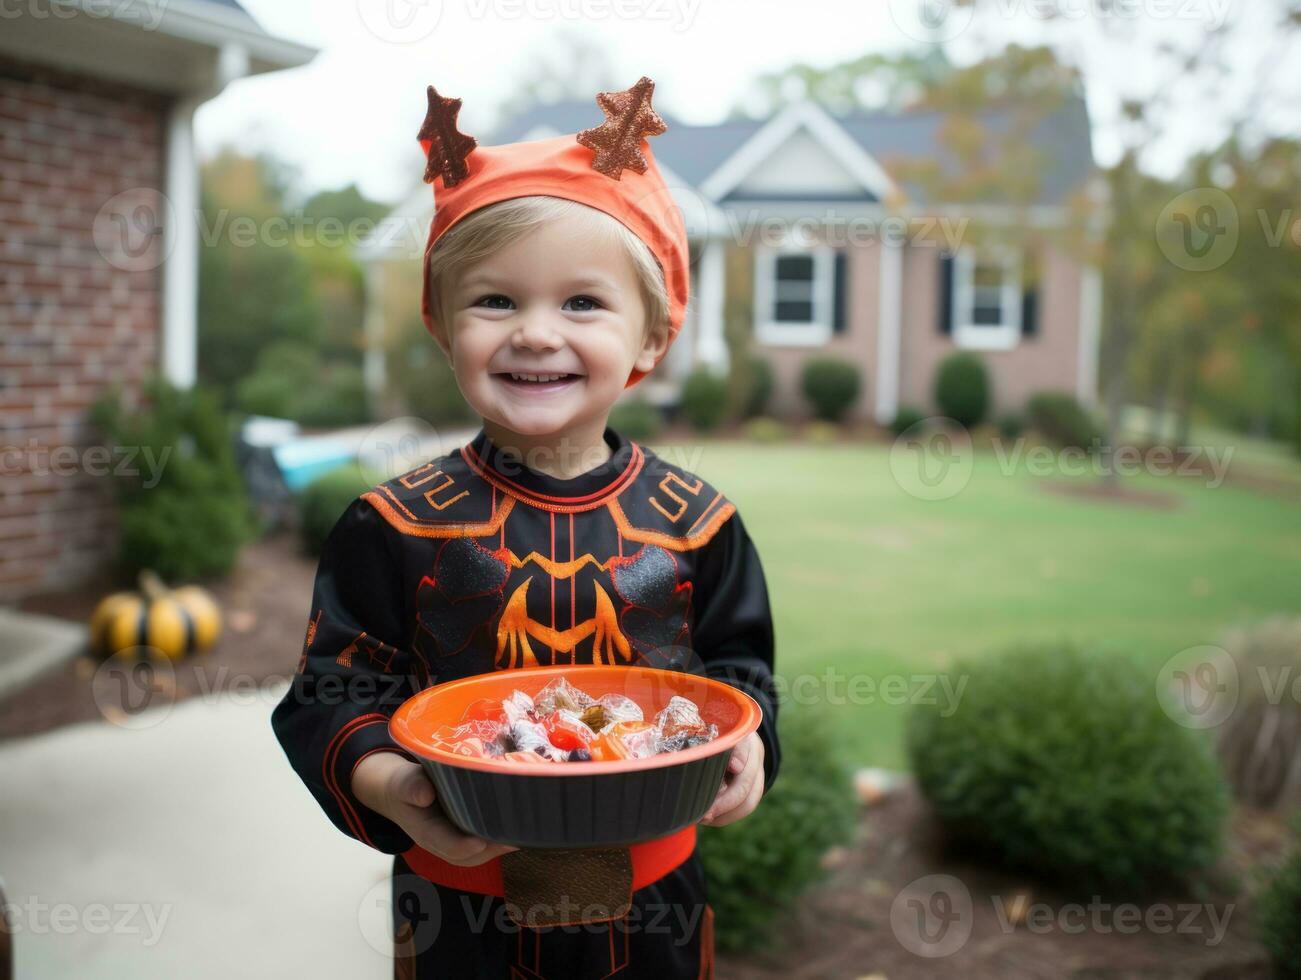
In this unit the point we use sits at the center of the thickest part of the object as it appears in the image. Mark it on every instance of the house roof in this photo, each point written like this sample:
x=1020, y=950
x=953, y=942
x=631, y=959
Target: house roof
x=175, y=47
x=695, y=152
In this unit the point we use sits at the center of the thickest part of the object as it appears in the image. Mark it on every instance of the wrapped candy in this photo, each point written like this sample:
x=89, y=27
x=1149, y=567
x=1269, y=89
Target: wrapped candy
x=517, y=707
x=567, y=730
x=560, y=695
x=563, y=723
x=610, y=709
x=531, y=736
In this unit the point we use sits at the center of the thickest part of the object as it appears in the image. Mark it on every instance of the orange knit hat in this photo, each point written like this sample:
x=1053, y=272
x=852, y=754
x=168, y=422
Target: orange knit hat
x=588, y=167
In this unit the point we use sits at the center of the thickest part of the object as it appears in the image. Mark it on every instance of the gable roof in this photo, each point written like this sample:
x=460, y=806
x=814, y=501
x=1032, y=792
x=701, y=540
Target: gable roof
x=695, y=153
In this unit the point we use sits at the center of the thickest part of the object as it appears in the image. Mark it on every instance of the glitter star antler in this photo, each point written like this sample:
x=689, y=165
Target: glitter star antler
x=629, y=116
x=448, y=147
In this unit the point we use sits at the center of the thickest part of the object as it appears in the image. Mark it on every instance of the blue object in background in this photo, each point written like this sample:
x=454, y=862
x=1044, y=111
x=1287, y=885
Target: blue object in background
x=303, y=460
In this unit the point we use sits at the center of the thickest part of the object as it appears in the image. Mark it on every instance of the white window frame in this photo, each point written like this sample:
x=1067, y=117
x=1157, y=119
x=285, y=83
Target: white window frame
x=783, y=333
x=986, y=336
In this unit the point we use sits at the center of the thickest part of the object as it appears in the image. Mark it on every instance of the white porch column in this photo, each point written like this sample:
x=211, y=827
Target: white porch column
x=180, y=272
x=711, y=344
x=890, y=294
x=180, y=279
x=373, y=365
x=1090, y=327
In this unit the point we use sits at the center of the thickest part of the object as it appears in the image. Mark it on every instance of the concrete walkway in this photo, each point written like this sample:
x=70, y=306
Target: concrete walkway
x=34, y=644
x=185, y=847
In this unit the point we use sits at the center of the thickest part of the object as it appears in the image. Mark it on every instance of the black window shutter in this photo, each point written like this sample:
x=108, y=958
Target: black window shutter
x=946, y=293
x=1030, y=299
x=838, y=324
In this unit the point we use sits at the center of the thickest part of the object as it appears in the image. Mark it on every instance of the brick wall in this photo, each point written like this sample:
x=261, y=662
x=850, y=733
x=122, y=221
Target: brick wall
x=70, y=321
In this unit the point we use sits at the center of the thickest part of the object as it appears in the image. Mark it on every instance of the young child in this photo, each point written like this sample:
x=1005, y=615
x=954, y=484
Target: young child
x=556, y=275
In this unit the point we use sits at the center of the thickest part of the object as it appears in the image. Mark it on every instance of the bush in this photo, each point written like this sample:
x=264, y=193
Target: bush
x=323, y=501
x=905, y=419
x=636, y=418
x=1011, y=425
x=766, y=430
x=704, y=399
x=831, y=385
x=1064, y=764
x=821, y=433
x=1060, y=419
x=1279, y=913
x=962, y=389
x=292, y=382
x=186, y=515
x=759, y=389
x=758, y=866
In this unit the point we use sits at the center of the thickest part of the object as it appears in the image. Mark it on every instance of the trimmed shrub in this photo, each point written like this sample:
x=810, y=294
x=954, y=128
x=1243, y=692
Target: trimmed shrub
x=962, y=388
x=759, y=389
x=1278, y=913
x=704, y=399
x=1064, y=764
x=186, y=515
x=322, y=502
x=1060, y=419
x=766, y=430
x=758, y=867
x=636, y=418
x=831, y=385
x=905, y=419
x=821, y=433
x=1011, y=425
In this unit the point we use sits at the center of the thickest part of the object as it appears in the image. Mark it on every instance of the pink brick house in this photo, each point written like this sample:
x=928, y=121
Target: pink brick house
x=805, y=227
x=96, y=119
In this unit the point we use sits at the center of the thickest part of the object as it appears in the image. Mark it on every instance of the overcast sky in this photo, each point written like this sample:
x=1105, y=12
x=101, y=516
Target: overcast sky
x=352, y=114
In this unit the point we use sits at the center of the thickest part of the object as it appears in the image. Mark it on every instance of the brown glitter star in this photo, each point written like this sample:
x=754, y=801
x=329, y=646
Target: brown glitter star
x=448, y=147
x=628, y=117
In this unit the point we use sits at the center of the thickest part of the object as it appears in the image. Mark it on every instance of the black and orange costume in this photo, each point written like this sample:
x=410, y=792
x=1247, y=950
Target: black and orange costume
x=471, y=563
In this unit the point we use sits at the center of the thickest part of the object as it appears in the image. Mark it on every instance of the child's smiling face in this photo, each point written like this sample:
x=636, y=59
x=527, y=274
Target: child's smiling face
x=545, y=332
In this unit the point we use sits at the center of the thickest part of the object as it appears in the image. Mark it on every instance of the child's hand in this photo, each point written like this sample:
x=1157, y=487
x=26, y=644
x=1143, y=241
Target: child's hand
x=400, y=790
x=739, y=797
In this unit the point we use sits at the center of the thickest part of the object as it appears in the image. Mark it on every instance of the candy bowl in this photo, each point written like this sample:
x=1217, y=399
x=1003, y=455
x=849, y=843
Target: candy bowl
x=556, y=757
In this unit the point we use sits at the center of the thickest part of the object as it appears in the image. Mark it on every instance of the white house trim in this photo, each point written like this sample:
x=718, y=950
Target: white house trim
x=764, y=142
x=711, y=345
x=1090, y=329
x=973, y=336
x=180, y=273
x=774, y=333
x=889, y=329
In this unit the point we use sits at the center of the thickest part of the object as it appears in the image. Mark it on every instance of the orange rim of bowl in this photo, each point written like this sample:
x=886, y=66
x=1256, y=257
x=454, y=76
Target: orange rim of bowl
x=400, y=729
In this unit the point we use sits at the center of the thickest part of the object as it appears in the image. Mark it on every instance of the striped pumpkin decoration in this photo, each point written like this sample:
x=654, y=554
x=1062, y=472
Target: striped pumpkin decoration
x=171, y=623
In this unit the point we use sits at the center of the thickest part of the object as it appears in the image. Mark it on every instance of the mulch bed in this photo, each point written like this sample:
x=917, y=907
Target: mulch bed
x=843, y=928
x=264, y=602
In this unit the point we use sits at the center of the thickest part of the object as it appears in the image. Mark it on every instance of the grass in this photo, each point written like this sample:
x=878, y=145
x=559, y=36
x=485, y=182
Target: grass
x=869, y=581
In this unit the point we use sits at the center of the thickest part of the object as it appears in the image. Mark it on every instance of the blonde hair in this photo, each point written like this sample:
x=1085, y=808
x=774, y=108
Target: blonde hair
x=497, y=226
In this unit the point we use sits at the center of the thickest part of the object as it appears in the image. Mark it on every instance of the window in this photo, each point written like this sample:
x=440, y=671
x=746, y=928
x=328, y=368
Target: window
x=986, y=299
x=794, y=287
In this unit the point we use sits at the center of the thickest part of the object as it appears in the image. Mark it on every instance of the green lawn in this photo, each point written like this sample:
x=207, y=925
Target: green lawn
x=872, y=582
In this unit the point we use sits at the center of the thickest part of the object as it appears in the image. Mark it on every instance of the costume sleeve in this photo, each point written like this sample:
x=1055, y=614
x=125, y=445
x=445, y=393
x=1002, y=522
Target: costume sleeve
x=733, y=632
x=352, y=675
